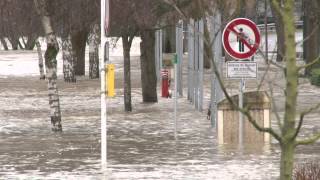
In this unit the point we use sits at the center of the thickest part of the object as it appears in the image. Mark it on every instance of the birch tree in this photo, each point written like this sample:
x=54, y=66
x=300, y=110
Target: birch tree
x=43, y=7
x=292, y=121
x=94, y=41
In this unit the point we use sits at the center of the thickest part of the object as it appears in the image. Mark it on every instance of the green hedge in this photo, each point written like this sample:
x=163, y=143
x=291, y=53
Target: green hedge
x=315, y=77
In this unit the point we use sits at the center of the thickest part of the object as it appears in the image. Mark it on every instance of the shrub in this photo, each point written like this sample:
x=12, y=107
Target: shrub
x=307, y=171
x=315, y=77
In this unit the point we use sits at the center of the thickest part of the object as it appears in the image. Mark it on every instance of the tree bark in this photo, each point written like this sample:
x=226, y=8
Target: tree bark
x=169, y=44
x=30, y=43
x=68, y=60
x=288, y=130
x=126, y=42
x=94, y=52
x=51, y=64
x=148, y=68
x=4, y=44
x=78, y=40
x=41, y=69
x=207, y=47
x=286, y=161
x=280, y=34
x=311, y=34
x=14, y=43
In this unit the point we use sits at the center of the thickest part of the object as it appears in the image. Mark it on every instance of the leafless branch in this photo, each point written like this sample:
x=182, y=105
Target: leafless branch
x=302, y=118
x=309, y=64
x=309, y=140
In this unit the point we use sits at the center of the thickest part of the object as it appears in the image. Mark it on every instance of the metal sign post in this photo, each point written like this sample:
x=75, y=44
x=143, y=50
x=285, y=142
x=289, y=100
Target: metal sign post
x=104, y=57
x=216, y=91
x=247, y=37
x=179, y=52
x=175, y=94
x=242, y=87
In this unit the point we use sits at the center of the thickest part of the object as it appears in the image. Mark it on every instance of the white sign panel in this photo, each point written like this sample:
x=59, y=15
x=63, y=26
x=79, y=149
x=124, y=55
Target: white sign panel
x=242, y=69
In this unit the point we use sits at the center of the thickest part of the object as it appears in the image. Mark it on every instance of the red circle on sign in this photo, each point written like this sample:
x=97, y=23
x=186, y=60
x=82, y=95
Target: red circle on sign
x=230, y=28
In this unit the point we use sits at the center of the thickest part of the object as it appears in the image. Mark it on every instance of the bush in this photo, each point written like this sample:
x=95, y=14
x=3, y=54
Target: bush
x=308, y=171
x=315, y=77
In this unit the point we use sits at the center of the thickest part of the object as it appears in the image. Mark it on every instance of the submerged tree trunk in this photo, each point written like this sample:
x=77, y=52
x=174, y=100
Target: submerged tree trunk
x=79, y=40
x=94, y=53
x=41, y=69
x=280, y=34
x=68, y=60
x=126, y=42
x=30, y=43
x=286, y=164
x=291, y=72
x=311, y=34
x=148, y=68
x=169, y=45
x=14, y=43
x=51, y=64
x=207, y=47
x=4, y=44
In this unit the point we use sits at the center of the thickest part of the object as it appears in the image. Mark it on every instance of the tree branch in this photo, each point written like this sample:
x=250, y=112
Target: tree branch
x=309, y=64
x=302, y=118
x=309, y=140
x=258, y=127
x=277, y=6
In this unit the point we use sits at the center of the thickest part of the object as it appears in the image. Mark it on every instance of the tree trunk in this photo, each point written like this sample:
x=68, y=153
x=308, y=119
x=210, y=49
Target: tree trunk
x=68, y=60
x=126, y=42
x=148, y=68
x=78, y=40
x=51, y=64
x=286, y=164
x=4, y=44
x=14, y=43
x=280, y=34
x=42, y=75
x=20, y=45
x=169, y=44
x=94, y=53
x=30, y=43
x=288, y=130
x=251, y=10
x=311, y=35
x=207, y=47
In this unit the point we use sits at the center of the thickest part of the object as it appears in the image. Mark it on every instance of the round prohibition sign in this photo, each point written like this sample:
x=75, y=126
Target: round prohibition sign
x=248, y=42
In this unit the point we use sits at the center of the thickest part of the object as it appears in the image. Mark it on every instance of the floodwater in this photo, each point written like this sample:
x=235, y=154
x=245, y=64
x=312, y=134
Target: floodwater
x=141, y=144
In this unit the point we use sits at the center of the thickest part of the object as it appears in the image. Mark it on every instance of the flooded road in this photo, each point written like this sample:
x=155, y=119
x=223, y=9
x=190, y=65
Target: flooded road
x=141, y=144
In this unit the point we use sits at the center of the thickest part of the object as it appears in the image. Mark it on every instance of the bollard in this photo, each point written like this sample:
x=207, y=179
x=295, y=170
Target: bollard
x=110, y=80
x=165, y=83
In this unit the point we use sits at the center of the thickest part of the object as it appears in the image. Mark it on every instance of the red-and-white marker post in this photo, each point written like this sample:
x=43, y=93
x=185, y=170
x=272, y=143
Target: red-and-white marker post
x=241, y=40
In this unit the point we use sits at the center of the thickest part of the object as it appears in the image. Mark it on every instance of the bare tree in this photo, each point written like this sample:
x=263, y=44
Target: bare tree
x=42, y=7
x=311, y=33
x=289, y=127
x=94, y=41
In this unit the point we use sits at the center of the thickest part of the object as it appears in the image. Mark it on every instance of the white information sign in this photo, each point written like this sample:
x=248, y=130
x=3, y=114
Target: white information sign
x=242, y=69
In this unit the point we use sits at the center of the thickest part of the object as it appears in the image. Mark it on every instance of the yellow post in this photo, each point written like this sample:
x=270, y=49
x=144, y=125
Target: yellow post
x=110, y=80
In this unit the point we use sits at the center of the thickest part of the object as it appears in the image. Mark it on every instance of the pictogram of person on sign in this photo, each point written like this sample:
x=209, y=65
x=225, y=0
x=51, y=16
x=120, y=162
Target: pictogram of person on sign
x=240, y=38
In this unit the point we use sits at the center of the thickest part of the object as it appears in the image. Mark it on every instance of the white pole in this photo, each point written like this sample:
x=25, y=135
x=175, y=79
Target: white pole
x=160, y=54
x=216, y=94
x=157, y=54
x=191, y=60
x=103, y=87
x=175, y=95
x=201, y=52
x=242, y=86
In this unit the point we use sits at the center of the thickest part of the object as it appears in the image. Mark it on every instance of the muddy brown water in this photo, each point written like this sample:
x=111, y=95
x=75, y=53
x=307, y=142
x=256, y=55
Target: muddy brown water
x=141, y=144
